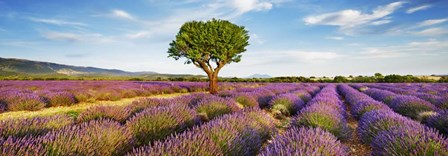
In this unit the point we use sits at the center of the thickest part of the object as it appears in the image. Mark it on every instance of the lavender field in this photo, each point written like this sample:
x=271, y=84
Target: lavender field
x=242, y=119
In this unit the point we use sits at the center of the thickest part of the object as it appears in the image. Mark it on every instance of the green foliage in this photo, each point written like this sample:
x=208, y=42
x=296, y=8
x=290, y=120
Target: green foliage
x=214, y=40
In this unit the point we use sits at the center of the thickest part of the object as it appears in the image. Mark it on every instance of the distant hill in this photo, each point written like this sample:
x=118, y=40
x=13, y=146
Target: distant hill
x=260, y=76
x=10, y=66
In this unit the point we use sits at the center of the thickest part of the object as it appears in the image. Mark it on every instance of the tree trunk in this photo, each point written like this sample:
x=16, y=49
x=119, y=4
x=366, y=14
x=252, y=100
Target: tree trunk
x=213, y=86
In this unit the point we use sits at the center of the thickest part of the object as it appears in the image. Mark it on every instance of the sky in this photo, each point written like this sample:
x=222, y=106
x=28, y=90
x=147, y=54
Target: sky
x=287, y=37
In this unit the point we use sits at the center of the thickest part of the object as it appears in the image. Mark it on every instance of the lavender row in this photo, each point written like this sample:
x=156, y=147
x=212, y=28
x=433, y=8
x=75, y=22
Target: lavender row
x=35, y=95
x=409, y=106
x=313, y=131
x=432, y=96
x=241, y=133
x=390, y=133
x=325, y=111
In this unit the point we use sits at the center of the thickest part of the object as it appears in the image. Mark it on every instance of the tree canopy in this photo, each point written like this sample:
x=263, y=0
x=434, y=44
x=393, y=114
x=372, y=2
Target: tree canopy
x=210, y=45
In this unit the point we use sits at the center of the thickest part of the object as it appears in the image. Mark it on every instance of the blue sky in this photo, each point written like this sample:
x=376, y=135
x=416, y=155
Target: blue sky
x=288, y=38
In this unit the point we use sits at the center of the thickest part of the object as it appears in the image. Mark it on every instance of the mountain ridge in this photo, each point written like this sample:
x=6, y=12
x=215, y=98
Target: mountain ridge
x=24, y=66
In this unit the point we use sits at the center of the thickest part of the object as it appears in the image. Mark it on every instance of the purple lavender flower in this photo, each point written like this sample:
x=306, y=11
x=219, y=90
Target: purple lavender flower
x=286, y=104
x=324, y=117
x=18, y=101
x=13, y=146
x=213, y=106
x=240, y=133
x=246, y=99
x=364, y=106
x=304, y=141
x=439, y=121
x=117, y=113
x=376, y=121
x=411, y=106
x=381, y=95
x=97, y=137
x=159, y=122
x=410, y=140
x=33, y=126
x=60, y=99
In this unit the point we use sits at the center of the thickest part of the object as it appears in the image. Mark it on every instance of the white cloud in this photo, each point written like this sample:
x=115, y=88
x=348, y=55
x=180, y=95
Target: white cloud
x=418, y=8
x=257, y=39
x=122, y=14
x=334, y=38
x=432, y=22
x=429, y=47
x=432, y=32
x=221, y=9
x=350, y=19
x=313, y=56
x=56, y=22
x=77, y=37
x=381, y=22
x=248, y=5
x=139, y=35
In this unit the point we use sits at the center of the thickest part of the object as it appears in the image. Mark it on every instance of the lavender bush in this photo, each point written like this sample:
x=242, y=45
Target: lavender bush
x=212, y=107
x=323, y=117
x=246, y=99
x=410, y=140
x=286, y=104
x=411, y=106
x=18, y=101
x=159, y=122
x=304, y=141
x=102, y=137
x=60, y=99
x=374, y=122
x=439, y=121
x=240, y=133
x=27, y=146
x=33, y=126
x=117, y=113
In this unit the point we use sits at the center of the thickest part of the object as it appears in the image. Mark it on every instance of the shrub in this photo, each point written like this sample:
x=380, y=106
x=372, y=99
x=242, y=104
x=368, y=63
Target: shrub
x=380, y=95
x=364, y=106
x=263, y=97
x=213, y=107
x=185, y=144
x=143, y=103
x=410, y=140
x=24, y=101
x=159, y=122
x=286, y=104
x=33, y=126
x=324, y=117
x=2, y=106
x=226, y=93
x=411, y=106
x=439, y=121
x=247, y=100
x=304, y=141
x=442, y=102
x=60, y=99
x=117, y=113
x=13, y=146
x=376, y=121
x=98, y=137
x=240, y=133
x=304, y=95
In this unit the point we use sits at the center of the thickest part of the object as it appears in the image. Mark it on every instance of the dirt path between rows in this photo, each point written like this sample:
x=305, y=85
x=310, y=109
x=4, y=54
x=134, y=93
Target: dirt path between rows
x=356, y=147
x=78, y=107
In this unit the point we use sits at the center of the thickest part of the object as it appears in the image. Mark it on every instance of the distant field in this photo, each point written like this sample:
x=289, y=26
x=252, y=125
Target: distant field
x=250, y=118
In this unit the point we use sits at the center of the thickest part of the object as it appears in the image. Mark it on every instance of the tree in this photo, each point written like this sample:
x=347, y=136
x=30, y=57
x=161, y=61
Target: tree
x=340, y=79
x=210, y=45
